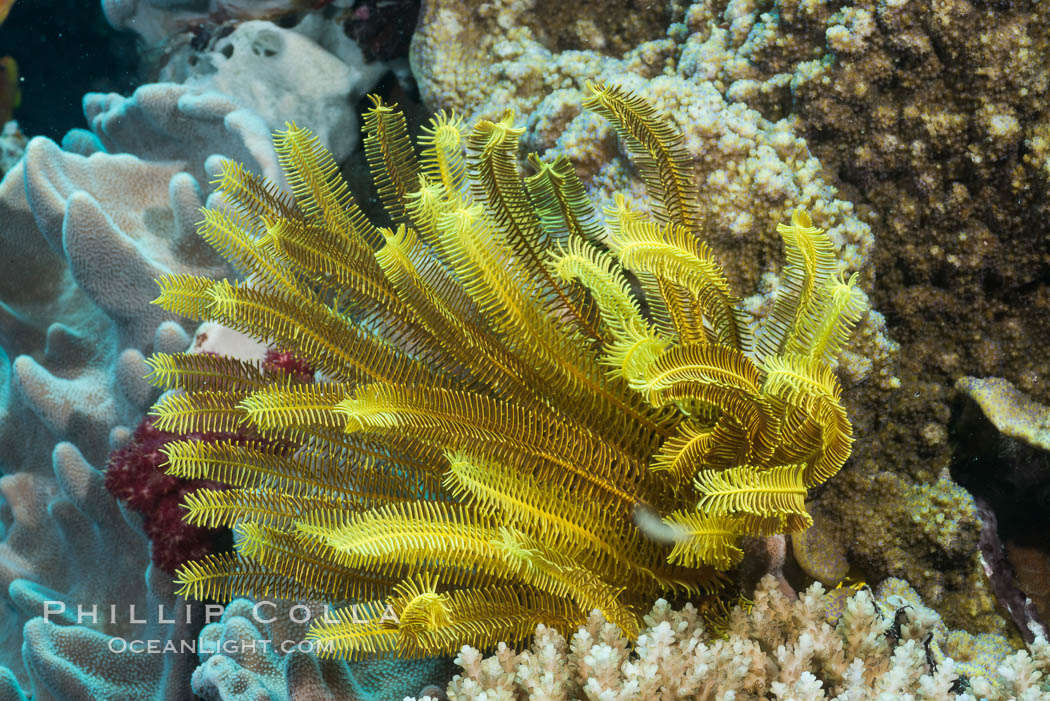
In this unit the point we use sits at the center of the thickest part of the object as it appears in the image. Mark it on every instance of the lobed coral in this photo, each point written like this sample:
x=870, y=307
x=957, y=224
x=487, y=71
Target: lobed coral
x=244, y=658
x=74, y=326
x=88, y=219
x=69, y=546
x=872, y=648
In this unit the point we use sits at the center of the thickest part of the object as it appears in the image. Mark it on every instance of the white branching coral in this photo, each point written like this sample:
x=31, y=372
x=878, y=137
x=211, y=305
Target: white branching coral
x=778, y=649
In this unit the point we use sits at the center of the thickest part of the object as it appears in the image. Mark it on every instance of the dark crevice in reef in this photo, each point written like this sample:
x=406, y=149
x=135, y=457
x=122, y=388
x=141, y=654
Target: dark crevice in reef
x=1010, y=481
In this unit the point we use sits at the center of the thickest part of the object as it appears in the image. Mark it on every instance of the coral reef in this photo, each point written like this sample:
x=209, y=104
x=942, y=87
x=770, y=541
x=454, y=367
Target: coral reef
x=76, y=320
x=882, y=647
x=92, y=232
x=495, y=376
x=931, y=115
x=1013, y=413
x=284, y=75
x=819, y=552
x=929, y=531
x=840, y=107
x=68, y=545
x=747, y=168
x=1002, y=458
x=94, y=222
x=924, y=121
x=182, y=129
x=157, y=20
x=134, y=475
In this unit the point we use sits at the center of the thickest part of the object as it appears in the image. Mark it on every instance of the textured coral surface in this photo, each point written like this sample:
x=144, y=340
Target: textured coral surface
x=834, y=645
x=88, y=225
x=918, y=130
x=233, y=669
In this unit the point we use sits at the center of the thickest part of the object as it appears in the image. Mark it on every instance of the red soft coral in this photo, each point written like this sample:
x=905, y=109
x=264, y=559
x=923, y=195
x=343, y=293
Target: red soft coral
x=292, y=364
x=135, y=475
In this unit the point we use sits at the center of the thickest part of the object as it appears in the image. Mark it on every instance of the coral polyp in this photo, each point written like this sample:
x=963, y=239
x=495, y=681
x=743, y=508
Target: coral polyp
x=504, y=381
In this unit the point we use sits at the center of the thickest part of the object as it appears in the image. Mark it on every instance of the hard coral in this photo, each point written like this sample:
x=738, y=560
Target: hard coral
x=934, y=119
x=885, y=646
x=924, y=120
x=89, y=226
x=233, y=669
x=480, y=58
x=71, y=545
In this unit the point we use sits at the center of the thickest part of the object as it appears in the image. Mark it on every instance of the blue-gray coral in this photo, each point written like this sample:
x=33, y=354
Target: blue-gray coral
x=281, y=670
x=94, y=221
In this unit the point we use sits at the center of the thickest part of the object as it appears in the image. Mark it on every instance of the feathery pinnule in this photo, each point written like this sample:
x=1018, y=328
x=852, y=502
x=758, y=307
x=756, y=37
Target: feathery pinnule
x=492, y=405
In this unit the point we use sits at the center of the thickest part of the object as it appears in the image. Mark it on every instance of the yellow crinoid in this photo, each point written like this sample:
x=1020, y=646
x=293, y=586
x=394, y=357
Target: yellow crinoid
x=497, y=407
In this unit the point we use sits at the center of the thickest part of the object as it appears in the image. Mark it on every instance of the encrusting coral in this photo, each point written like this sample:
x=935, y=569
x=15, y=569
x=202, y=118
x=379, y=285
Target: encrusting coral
x=478, y=364
x=1011, y=411
x=804, y=650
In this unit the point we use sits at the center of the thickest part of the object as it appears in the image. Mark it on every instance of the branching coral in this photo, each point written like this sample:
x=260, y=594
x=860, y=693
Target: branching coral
x=481, y=363
x=779, y=649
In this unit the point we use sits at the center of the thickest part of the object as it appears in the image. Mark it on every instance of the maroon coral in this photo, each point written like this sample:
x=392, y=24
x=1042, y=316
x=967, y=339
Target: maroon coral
x=135, y=475
x=292, y=364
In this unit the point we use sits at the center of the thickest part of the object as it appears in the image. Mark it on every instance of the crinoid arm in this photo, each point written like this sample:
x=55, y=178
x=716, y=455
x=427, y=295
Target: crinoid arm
x=520, y=413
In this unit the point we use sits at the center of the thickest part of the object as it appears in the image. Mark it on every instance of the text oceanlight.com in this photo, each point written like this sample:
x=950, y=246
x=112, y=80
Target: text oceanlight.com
x=225, y=647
